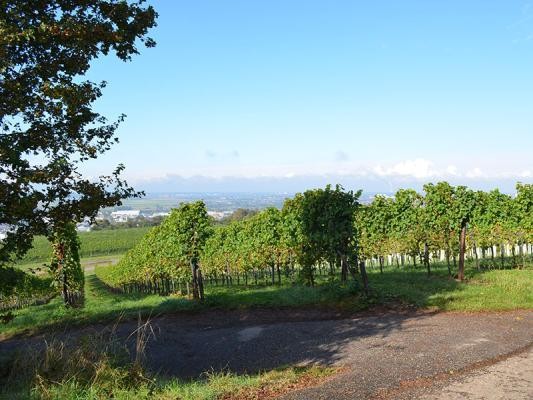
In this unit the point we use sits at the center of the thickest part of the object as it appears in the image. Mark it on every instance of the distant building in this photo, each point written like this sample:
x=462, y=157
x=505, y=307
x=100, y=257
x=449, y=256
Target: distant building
x=159, y=214
x=125, y=215
x=218, y=215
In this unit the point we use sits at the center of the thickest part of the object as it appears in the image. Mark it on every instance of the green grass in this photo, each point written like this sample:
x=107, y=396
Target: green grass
x=97, y=366
x=102, y=305
x=494, y=290
x=89, y=262
x=215, y=386
x=96, y=243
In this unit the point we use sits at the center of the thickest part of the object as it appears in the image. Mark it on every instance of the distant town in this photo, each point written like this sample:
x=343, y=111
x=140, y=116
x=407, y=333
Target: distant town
x=151, y=209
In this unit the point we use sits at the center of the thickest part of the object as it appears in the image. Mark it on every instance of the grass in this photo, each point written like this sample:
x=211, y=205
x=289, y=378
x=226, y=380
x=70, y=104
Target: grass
x=103, y=306
x=99, y=366
x=225, y=386
x=96, y=243
x=494, y=290
x=38, y=268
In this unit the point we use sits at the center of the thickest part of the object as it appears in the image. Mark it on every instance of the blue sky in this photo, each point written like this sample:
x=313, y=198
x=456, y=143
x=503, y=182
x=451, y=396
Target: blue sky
x=278, y=95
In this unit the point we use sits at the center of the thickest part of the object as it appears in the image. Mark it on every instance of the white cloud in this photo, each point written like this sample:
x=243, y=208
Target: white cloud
x=474, y=173
x=452, y=170
x=418, y=168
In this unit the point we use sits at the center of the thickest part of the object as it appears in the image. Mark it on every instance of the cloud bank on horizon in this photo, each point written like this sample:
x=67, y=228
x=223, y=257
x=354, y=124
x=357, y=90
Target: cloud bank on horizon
x=377, y=178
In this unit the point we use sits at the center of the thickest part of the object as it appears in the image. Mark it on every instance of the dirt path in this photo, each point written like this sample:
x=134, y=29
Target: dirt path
x=378, y=352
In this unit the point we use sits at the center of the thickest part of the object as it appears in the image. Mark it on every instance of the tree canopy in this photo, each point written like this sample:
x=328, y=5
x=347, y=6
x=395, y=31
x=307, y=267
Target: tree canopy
x=48, y=127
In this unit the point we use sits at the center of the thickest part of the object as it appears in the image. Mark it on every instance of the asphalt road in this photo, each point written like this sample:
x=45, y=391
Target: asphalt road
x=379, y=352
x=510, y=379
x=383, y=355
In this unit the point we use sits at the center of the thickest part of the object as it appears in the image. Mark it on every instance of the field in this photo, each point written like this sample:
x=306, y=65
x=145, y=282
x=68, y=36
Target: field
x=93, y=244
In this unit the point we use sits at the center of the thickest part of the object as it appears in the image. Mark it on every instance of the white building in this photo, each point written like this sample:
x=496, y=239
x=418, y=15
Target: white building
x=125, y=215
x=159, y=214
x=218, y=215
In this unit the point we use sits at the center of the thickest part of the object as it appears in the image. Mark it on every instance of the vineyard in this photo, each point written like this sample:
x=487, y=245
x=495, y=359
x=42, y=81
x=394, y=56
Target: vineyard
x=328, y=233
x=19, y=289
x=97, y=243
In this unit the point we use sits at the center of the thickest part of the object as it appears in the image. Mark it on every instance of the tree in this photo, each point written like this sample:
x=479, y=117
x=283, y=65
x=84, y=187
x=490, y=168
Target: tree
x=462, y=212
x=524, y=206
x=340, y=234
x=171, y=250
x=407, y=230
x=266, y=239
x=437, y=216
x=238, y=215
x=326, y=224
x=47, y=125
x=375, y=228
x=191, y=226
x=65, y=264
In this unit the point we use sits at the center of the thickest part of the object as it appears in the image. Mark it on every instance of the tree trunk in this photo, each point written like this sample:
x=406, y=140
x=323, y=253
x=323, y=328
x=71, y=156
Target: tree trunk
x=194, y=273
x=426, y=257
x=477, y=257
x=200, y=279
x=462, y=245
x=364, y=277
x=353, y=270
x=381, y=264
x=344, y=268
x=60, y=254
x=331, y=263
x=448, y=262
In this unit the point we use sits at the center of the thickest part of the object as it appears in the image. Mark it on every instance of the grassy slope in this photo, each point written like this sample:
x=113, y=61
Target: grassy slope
x=96, y=243
x=491, y=290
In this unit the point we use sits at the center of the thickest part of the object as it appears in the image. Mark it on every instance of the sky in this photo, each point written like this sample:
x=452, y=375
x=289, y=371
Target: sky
x=287, y=95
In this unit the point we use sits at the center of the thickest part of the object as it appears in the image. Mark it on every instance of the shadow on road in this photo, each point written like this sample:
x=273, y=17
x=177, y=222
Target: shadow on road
x=187, y=352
